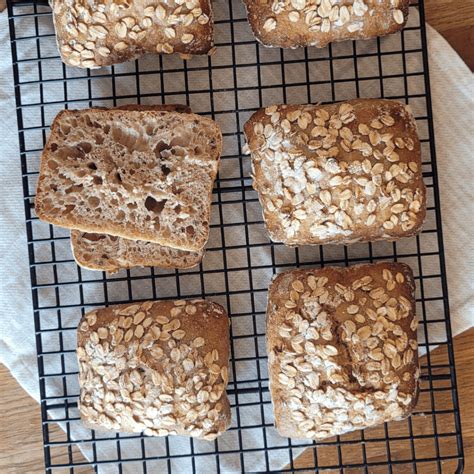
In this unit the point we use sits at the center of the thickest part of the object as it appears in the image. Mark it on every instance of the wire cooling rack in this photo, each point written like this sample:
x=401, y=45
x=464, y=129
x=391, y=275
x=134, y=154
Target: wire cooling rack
x=240, y=261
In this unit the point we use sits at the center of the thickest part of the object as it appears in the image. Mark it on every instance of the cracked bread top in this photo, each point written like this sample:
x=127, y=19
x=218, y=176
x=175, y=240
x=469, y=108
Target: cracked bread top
x=157, y=367
x=342, y=346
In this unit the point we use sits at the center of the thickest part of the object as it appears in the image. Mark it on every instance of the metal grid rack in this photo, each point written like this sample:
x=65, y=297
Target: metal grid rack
x=240, y=261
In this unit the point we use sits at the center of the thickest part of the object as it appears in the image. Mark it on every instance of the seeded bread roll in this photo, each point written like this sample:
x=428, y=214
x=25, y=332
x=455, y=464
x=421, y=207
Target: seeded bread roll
x=137, y=174
x=339, y=173
x=92, y=35
x=342, y=348
x=296, y=23
x=160, y=368
x=110, y=253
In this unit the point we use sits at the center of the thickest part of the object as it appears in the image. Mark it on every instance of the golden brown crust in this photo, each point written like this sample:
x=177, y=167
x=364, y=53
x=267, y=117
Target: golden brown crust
x=342, y=348
x=92, y=36
x=297, y=23
x=109, y=253
x=158, y=367
x=112, y=171
x=338, y=173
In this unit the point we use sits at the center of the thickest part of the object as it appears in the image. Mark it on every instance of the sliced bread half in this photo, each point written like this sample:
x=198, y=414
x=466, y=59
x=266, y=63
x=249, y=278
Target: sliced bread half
x=138, y=174
x=110, y=253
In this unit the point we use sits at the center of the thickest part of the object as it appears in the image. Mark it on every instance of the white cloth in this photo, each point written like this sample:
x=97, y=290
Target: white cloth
x=452, y=91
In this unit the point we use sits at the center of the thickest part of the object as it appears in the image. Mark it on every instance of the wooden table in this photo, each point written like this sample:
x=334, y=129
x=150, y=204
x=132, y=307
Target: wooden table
x=21, y=448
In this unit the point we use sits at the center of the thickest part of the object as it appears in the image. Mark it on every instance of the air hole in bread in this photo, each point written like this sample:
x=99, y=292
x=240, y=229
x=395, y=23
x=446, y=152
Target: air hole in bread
x=161, y=147
x=190, y=230
x=85, y=147
x=52, y=164
x=180, y=141
x=54, y=147
x=70, y=152
x=93, y=237
x=155, y=206
x=77, y=188
x=126, y=137
x=94, y=201
x=92, y=166
x=165, y=170
x=97, y=180
x=69, y=208
x=120, y=215
x=99, y=139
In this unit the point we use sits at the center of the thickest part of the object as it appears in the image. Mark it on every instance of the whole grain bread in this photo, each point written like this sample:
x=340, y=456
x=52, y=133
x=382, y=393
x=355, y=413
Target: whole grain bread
x=141, y=174
x=92, y=35
x=157, y=367
x=342, y=348
x=338, y=173
x=296, y=23
x=110, y=253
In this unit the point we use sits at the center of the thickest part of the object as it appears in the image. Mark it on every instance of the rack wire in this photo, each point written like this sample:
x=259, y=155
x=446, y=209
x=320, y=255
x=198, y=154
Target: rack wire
x=240, y=261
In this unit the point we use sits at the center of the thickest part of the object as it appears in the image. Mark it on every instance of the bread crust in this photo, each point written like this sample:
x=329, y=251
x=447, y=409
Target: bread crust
x=110, y=253
x=342, y=348
x=93, y=36
x=122, y=159
x=339, y=173
x=299, y=23
x=158, y=367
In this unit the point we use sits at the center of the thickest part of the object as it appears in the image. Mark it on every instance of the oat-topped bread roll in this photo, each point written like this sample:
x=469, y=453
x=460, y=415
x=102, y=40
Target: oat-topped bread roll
x=110, y=253
x=137, y=174
x=294, y=23
x=342, y=348
x=156, y=367
x=338, y=173
x=104, y=32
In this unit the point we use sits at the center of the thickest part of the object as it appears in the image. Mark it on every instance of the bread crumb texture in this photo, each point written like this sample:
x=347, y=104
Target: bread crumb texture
x=339, y=173
x=160, y=368
x=144, y=175
x=111, y=253
x=294, y=23
x=343, y=353
x=91, y=34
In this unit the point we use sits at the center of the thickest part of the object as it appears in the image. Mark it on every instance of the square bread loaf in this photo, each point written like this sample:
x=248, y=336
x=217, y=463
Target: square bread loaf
x=339, y=173
x=295, y=23
x=110, y=253
x=342, y=348
x=139, y=174
x=96, y=34
x=157, y=367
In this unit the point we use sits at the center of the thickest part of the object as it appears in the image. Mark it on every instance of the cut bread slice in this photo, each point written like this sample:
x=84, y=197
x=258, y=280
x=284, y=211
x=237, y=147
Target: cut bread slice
x=110, y=253
x=143, y=174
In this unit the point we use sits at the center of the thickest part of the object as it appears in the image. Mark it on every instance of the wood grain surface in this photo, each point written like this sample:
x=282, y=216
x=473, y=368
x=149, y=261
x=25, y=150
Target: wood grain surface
x=454, y=19
x=21, y=448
